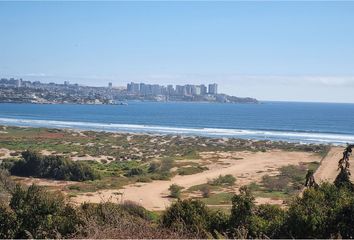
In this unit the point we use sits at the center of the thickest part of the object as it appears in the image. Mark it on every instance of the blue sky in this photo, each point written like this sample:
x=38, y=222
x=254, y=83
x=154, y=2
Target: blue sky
x=302, y=51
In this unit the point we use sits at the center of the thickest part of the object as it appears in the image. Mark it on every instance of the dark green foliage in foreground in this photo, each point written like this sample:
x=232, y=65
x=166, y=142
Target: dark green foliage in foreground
x=32, y=213
x=34, y=164
x=193, y=216
x=343, y=179
x=8, y=223
x=36, y=213
x=189, y=214
x=242, y=207
x=324, y=212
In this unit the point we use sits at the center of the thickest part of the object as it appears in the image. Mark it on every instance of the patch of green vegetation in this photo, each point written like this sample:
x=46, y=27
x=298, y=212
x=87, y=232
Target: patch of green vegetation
x=201, y=186
x=191, y=170
x=144, y=179
x=33, y=164
x=286, y=184
x=114, y=168
x=175, y=191
x=97, y=185
x=223, y=180
x=222, y=198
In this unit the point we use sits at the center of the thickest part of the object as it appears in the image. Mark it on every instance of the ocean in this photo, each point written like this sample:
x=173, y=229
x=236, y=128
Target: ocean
x=280, y=121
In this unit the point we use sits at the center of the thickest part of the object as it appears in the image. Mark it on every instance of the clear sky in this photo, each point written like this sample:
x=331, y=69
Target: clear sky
x=302, y=51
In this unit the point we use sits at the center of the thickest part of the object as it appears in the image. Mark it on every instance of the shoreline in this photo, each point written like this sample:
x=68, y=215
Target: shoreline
x=299, y=137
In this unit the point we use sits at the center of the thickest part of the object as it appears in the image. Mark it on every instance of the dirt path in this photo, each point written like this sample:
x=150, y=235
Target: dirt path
x=248, y=167
x=328, y=170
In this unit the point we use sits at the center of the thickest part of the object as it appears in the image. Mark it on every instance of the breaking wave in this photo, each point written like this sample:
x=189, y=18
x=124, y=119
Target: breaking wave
x=291, y=136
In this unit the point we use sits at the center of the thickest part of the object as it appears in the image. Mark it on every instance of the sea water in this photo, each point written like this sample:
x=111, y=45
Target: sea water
x=285, y=121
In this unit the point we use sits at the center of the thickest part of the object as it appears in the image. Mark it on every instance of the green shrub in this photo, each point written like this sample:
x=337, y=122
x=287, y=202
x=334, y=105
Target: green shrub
x=154, y=167
x=275, y=183
x=190, y=215
x=205, y=189
x=227, y=180
x=242, y=209
x=161, y=176
x=36, y=213
x=74, y=187
x=135, y=172
x=166, y=165
x=218, y=224
x=57, y=167
x=267, y=221
x=144, y=179
x=191, y=170
x=313, y=215
x=175, y=191
x=8, y=222
x=137, y=210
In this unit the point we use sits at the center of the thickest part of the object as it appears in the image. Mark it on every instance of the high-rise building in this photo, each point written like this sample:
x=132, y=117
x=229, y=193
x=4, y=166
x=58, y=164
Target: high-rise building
x=213, y=89
x=197, y=90
x=180, y=90
x=110, y=85
x=19, y=82
x=189, y=89
x=156, y=89
x=203, y=89
x=143, y=89
x=170, y=90
x=133, y=87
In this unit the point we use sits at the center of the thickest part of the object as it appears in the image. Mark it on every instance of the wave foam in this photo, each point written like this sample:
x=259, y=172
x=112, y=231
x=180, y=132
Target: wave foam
x=308, y=137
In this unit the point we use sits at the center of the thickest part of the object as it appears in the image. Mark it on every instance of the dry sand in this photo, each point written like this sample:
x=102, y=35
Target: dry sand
x=328, y=169
x=5, y=153
x=44, y=182
x=249, y=167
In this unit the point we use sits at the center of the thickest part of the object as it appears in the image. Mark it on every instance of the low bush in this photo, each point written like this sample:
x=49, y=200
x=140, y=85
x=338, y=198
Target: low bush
x=226, y=180
x=205, y=191
x=34, y=164
x=191, y=170
x=190, y=215
x=35, y=213
x=175, y=191
x=135, y=172
x=144, y=179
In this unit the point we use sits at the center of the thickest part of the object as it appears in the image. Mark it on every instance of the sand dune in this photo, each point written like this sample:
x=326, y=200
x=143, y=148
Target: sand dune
x=249, y=167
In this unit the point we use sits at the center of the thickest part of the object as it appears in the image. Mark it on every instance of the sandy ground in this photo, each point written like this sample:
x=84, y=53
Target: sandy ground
x=247, y=167
x=97, y=159
x=5, y=153
x=328, y=169
x=44, y=182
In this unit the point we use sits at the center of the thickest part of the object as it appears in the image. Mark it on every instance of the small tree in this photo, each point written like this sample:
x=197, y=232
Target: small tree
x=242, y=208
x=36, y=213
x=343, y=179
x=187, y=215
x=175, y=191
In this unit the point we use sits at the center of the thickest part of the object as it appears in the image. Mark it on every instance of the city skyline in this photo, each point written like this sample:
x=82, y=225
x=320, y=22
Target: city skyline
x=14, y=90
x=293, y=51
